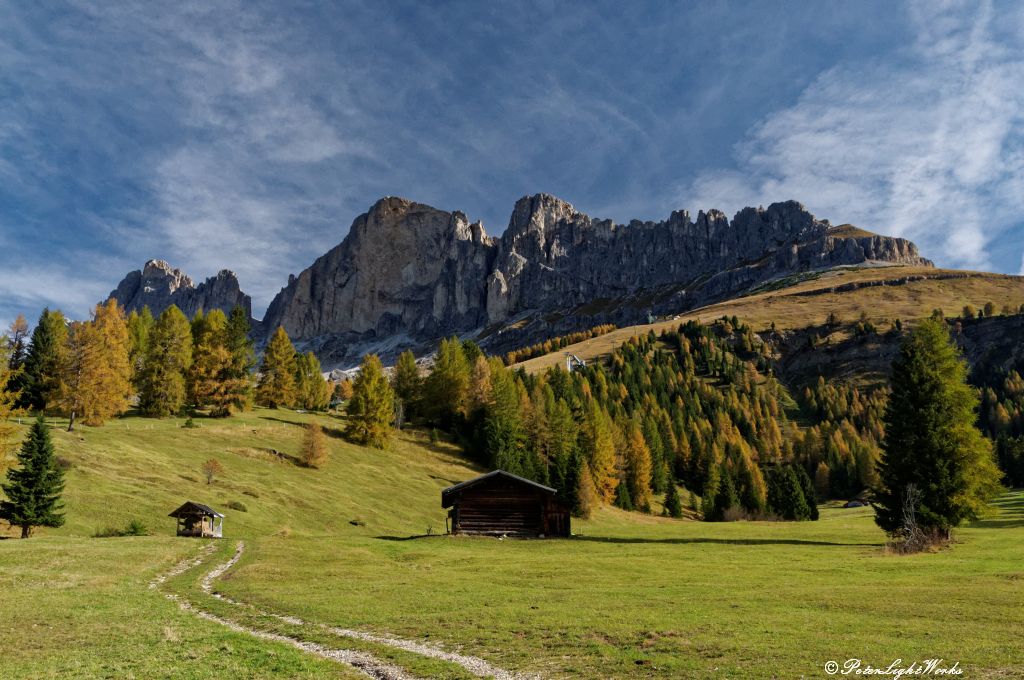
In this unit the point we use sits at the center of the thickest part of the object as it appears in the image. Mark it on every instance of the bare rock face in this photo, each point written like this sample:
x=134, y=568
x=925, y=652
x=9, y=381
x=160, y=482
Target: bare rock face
x=554, y=257
x=403, y=269
x=158, y=286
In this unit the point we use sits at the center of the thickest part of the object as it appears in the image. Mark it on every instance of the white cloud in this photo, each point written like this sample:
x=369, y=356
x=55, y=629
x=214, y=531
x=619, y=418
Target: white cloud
x=927, y=145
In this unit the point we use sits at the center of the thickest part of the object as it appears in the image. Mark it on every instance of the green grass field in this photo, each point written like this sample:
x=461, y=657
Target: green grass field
x=629, y=596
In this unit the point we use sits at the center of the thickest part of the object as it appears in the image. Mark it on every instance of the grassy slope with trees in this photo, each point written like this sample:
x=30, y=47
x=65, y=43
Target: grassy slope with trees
x=631, y=595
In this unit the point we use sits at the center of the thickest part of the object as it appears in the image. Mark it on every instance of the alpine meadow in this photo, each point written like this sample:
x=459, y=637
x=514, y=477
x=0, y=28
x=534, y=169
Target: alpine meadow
x=783, y=440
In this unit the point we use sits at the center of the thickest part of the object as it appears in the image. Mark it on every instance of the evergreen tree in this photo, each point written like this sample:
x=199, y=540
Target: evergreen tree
x=243, y=355
x=807, y=487
x=725, y=497
x=504, y=434
x=785, y=495
x=447, y=388
x=168, y=359
x=622, y=498
x=673, y=506
x=931, y=441
x=33, y=490
x=313, y=393
x=314, y=446
x=44, y=364
x=371, y=408
x=408, y=384
x=276, y=386
x=96, y=380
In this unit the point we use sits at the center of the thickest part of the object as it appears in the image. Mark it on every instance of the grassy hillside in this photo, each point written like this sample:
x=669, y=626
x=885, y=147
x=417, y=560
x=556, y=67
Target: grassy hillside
x=882, y=293
x=630, y=596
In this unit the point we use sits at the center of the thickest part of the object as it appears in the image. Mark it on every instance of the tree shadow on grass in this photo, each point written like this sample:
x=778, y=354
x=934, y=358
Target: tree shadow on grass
x=673, y=541
x=1010, y=514
x=721, y=541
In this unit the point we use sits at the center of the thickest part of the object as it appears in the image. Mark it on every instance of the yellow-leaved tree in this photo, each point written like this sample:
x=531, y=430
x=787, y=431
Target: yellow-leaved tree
x=96, y=380
x=276, y=386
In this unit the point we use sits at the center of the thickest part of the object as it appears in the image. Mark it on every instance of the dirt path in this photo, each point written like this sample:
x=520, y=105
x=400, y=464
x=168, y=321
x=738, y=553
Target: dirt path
x=359, y=660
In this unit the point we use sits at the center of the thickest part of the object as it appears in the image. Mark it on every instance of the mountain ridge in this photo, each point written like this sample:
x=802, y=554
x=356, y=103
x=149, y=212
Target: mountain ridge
x=407, y=273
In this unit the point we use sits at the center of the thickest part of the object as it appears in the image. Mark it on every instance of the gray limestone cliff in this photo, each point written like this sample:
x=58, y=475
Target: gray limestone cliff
x=158, y=286
x=408, y=274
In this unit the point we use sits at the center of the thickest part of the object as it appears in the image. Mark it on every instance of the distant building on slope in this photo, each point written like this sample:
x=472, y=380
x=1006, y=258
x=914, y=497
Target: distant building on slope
x=199, y=521
x=502, y=504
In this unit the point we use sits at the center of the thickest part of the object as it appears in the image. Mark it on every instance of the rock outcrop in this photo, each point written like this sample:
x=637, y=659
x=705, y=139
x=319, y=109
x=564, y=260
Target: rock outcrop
x=404, y=270
x=158, y=285
x=408, y=273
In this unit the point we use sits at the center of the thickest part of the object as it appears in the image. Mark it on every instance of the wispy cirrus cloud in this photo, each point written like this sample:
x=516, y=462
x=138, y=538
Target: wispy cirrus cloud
x=928, y=143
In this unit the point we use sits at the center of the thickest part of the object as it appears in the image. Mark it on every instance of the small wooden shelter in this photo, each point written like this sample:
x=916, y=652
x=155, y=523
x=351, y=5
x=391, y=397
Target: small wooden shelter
x=502, y=504
x=198, y=520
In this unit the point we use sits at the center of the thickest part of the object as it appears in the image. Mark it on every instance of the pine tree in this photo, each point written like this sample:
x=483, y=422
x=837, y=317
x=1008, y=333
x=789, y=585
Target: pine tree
x=673, y=506
x=931, y=441
x=785, y=495
x=44, y=364
x=408, y=384
x=168, y=359
x=33, y=490
x=622, y=498
x=96, y=380
x=276, y=386
x=447, y=388
x=313, y=393
x=371, y=408
x=314, y=446
x=725, y=497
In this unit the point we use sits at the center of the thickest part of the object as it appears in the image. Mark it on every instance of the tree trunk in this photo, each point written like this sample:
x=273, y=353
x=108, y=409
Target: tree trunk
x=71, y=422
x=26, y=530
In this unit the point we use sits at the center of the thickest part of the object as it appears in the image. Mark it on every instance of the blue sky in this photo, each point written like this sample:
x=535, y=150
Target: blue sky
x=239, y=135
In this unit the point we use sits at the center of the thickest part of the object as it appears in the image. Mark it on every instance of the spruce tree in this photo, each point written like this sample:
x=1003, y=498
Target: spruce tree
x=168, y=359
x=16, y=337
x=44, y=364
x=622, y=498
x=931, y=441
x=725, y=497
x=673, y=506
x=807, y=487
x=33, y=489
x=504, y=433
x=243, y=354
x=276, y=386
x=785, y=494
x=372, y=407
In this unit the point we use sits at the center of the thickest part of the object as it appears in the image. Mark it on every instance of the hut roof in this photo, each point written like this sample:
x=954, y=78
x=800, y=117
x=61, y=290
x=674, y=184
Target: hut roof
x=190, y=508
x=448, y=495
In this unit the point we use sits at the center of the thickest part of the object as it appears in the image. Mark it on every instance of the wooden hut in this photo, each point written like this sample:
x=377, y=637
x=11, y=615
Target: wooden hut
x=198, y=520
x=502, y=504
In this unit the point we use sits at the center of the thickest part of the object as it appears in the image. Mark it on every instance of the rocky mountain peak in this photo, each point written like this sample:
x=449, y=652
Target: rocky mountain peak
x=158, y=285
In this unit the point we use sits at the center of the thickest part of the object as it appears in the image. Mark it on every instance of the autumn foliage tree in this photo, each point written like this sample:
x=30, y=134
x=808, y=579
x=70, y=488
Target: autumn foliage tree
x=371, y=408
x=95, y=382
x=312, y=392
x=314, y=446
x=168, y=360
x=214, y=382
x=276, y=386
